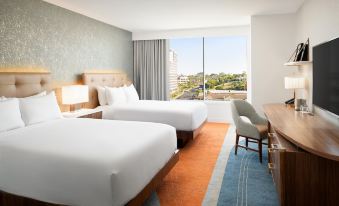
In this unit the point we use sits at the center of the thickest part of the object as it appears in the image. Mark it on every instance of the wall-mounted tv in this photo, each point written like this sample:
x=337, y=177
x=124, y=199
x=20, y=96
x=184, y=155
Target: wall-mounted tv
x=326, y=76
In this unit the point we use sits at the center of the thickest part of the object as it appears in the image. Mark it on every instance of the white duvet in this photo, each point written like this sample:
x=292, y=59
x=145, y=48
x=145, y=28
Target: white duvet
x=183, y=115
x=83, y=161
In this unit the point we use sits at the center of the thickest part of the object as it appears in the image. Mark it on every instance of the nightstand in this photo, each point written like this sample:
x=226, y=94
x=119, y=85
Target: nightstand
x=84, y=113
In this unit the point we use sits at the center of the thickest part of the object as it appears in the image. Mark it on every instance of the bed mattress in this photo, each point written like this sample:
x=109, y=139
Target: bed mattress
x=183, y=115
x=83, y=161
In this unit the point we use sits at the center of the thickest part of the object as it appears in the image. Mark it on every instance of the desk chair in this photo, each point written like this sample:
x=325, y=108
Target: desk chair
x=255, y=129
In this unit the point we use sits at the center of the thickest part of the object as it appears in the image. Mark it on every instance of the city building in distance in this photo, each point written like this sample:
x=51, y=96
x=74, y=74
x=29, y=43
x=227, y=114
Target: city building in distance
x=173, y=70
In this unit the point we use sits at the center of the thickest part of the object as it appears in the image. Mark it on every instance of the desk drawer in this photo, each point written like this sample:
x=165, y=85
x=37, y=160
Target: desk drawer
x=276, y=153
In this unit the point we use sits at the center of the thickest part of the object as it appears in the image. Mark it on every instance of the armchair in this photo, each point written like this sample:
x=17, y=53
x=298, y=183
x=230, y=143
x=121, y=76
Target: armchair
x=254, y=130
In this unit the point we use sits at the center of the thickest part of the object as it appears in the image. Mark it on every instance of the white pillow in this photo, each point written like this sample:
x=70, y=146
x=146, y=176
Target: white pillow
x=39, y=109
x=36, y=95
x=102, y=95
x=115, y=95
x=10, y=117
x=131, y=93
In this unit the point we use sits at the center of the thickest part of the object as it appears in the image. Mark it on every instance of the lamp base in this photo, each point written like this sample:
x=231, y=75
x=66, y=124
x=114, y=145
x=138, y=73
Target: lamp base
x=299, y=103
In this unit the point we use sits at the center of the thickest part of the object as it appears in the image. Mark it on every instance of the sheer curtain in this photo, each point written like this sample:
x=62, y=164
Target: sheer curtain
x=150, y=69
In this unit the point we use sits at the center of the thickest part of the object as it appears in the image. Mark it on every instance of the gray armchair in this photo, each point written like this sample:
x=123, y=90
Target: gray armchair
x=254, y=130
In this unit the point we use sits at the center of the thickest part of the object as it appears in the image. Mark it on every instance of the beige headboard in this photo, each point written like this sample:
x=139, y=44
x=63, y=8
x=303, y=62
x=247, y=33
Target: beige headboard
x=15, y=84
x=102, y=79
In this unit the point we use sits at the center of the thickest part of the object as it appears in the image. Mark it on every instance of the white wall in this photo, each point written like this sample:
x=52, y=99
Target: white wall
x=219, y=111
x=273, y=40
x=319, y=21
x=188, y=33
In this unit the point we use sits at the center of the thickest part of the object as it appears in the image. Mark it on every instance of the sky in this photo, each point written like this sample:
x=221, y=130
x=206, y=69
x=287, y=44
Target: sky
x=222, y=54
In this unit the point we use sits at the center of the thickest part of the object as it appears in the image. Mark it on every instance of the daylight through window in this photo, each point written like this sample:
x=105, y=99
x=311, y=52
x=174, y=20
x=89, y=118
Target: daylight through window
x=220, y=62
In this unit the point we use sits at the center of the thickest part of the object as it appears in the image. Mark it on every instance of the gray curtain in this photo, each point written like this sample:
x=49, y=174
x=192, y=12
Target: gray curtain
x=150, y=69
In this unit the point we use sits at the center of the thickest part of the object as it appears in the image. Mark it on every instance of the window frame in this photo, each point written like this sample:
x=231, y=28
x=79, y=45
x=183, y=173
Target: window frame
x=247, y=70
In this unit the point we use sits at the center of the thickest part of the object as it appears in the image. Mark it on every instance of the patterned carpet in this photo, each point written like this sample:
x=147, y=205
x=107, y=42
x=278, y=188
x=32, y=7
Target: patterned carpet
x=201, y=176
x=187, y=182
x=246, y=181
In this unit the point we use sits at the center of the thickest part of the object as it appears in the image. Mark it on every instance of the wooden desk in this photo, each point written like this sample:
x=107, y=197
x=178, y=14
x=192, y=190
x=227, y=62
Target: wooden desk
x=303, y=157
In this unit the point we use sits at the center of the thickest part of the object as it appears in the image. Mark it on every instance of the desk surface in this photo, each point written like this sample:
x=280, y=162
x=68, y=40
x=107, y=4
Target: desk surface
x=311, y=133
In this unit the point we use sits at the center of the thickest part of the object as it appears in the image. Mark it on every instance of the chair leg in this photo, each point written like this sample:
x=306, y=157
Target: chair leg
x=260, y=150
x=246, y=142
x=236, y=143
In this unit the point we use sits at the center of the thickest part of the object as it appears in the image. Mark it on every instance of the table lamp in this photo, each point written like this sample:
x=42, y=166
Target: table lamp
x=294, y=83
x=74, y=94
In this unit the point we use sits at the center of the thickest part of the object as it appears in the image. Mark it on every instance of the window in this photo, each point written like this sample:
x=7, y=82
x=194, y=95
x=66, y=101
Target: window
x=186, y=69
x=220, y=62
x=225, y=68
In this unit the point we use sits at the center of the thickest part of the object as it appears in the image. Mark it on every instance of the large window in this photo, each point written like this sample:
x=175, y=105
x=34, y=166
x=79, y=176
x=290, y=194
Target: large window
x=220, y=62
x=186, y=68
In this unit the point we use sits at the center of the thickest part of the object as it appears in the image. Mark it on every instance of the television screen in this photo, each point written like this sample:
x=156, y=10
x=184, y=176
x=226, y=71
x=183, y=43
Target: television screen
x=326, y=76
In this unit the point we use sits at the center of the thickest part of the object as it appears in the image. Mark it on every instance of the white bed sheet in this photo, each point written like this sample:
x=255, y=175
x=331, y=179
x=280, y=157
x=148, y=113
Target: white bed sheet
x=183, y=115
x=83, y=161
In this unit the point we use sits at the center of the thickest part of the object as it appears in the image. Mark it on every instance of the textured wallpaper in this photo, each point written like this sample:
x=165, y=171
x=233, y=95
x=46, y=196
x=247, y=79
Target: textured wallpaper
x=34, y=34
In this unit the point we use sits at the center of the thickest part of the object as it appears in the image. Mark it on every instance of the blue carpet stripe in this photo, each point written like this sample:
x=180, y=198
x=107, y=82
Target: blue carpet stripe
x=243, y=181
x=246, y=181
x=213, y=190
x=243, y=178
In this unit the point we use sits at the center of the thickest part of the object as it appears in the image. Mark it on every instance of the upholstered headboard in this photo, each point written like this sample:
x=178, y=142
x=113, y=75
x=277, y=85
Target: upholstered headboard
x=102, y=79
x=18, y=84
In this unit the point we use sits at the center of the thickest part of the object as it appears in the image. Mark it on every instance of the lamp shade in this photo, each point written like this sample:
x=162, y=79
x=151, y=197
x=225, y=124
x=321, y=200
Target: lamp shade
x=74, y=94
x=294, y=82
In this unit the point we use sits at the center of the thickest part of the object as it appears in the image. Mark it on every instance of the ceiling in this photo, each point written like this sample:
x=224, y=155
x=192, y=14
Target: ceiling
x=155, y=15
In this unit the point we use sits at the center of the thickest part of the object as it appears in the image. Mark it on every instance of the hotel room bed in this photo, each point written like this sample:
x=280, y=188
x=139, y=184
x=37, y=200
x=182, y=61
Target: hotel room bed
x=183, y=115
x=77, y=161
x=68, y=161
x=188, y=117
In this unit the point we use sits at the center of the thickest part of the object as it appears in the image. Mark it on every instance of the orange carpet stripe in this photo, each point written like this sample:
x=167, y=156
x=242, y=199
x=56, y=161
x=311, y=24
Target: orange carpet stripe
x=187, y=183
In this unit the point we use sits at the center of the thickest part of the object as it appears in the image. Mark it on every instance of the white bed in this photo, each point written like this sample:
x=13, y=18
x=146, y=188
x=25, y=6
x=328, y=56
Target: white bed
x=183, y=115
x=83, y=161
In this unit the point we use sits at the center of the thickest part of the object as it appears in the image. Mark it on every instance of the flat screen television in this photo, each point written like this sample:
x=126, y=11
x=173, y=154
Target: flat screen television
x=326, y=76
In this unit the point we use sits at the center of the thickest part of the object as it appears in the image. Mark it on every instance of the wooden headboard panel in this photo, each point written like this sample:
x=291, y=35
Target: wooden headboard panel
x=102, y=79
x=20, y=84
